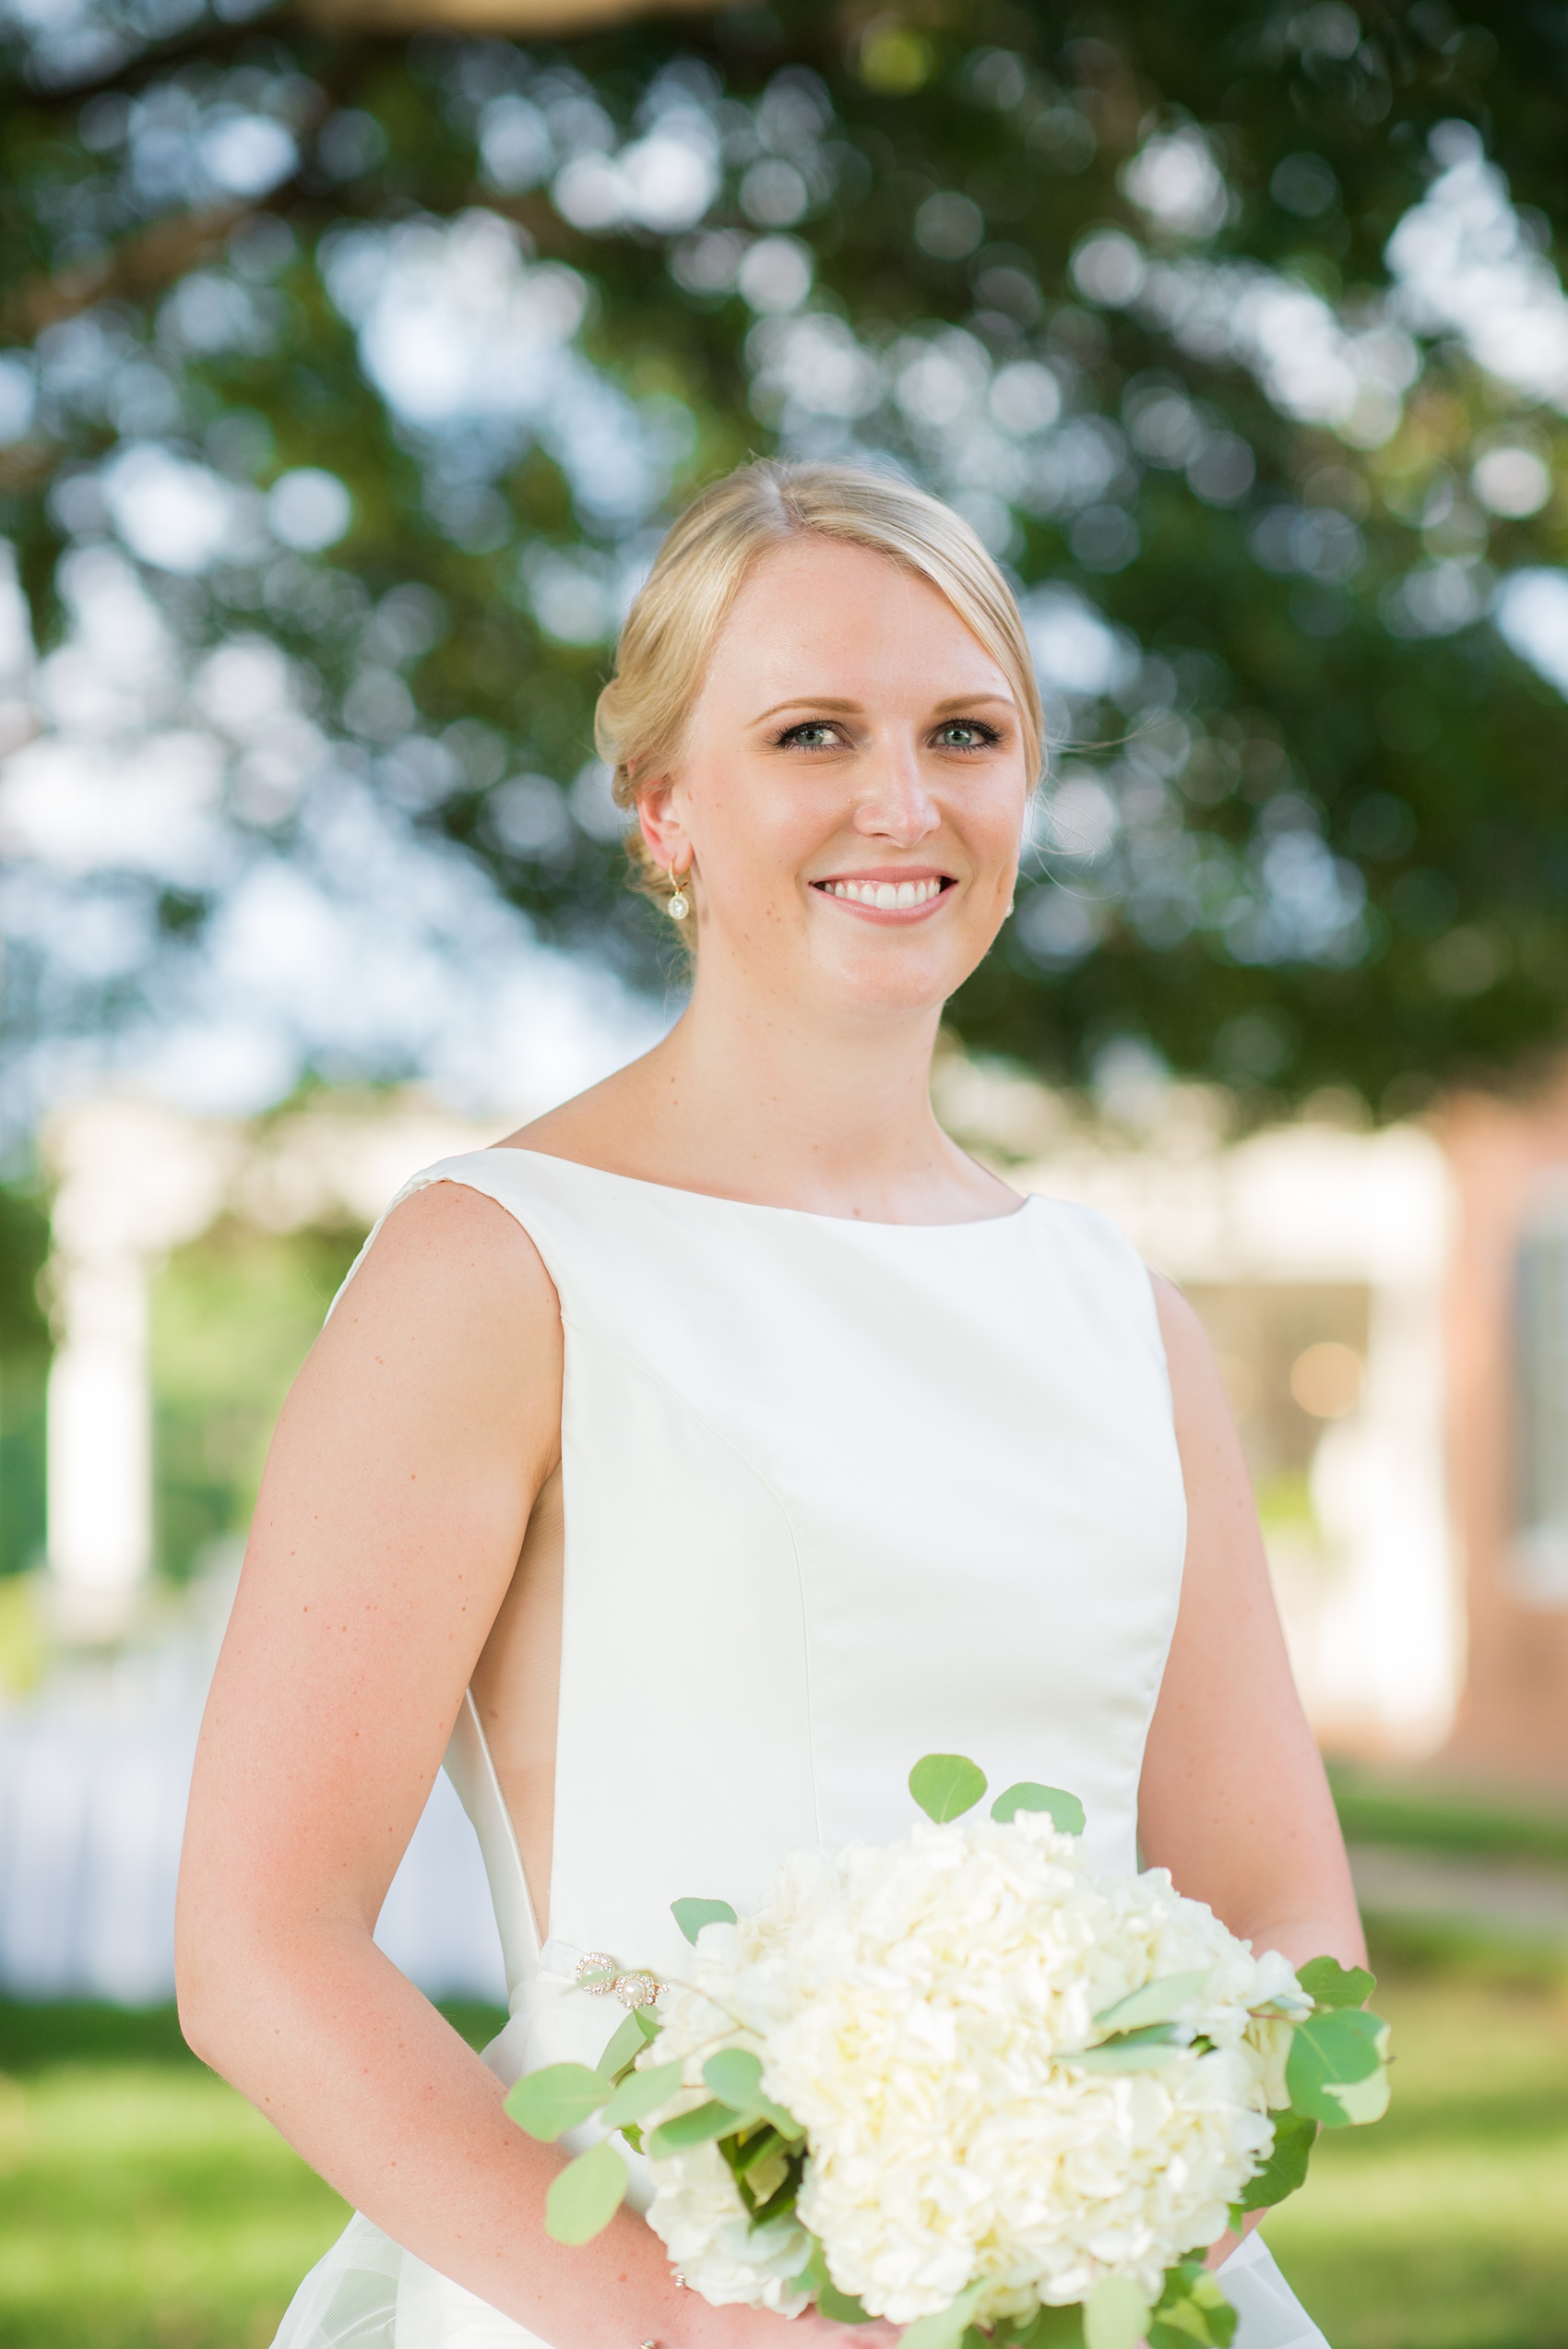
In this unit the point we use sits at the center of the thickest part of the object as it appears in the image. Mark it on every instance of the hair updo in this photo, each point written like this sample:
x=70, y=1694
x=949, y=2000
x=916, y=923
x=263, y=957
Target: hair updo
x=664, y=648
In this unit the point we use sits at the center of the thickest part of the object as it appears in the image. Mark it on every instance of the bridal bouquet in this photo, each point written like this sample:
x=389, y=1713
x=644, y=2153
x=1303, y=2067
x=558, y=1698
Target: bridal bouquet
x=962, y=2081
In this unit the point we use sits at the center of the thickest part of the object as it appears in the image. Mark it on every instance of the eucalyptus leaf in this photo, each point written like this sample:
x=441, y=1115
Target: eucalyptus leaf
x=1116, y=2315
x=648, y=2022
x=558, y=2097
x=1330, y=2052
x=586, y=2196
x=945, y=1786
x=1066, y=1811
x=945, y=2329
x=1285, y=2168
x=1328, y=1984
x=1159, y=2001
x=1139, y=2051
x=842, y=2308
x=692, y=1914
x=640, y=2091
x=1192, y=2310
x=734, y=2074
x=699, y=2126
x=624, y=2045
x=1047, y=2329
x=1362, y=2100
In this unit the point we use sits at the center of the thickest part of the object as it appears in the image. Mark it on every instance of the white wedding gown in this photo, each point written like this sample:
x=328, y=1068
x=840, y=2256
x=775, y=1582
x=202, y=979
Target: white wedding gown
x=836, y=1495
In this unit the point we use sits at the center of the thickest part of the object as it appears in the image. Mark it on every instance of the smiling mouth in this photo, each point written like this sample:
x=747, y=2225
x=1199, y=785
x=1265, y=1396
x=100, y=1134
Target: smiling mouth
x=887, y=897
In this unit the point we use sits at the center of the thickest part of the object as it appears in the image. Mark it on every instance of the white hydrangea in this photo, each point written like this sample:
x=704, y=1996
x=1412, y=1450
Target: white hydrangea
x=911, y=2006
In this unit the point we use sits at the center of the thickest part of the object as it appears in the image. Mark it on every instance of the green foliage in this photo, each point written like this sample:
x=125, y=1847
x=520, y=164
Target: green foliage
x=1334, y=2069
x=1312, y=708
x=945, y=2329
x=24, y=1370
x=1159, y=2001
x=1116, y=2315
x=625, y=2044
x=1285, y=2168
x=234, y=1316
x=692, y=1914
x=639, y=2092
x=1192, y=2308
x=1329, y=1983
x=946, y=1785
x=1135, y=2051
x=1066, y=1811
x=699, y=2126
x=586, y=2195
x=557, y=2097
x=841, y=2307
x=735, y=2076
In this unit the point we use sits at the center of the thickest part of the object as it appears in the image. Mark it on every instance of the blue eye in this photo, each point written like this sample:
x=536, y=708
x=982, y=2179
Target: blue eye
x=966, y=733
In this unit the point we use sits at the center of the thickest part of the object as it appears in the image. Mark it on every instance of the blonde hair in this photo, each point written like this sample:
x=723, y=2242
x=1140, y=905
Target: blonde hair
x=671, y=630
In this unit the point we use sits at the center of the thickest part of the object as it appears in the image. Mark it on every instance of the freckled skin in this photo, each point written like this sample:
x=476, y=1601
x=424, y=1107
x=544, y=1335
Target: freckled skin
x=848, y=725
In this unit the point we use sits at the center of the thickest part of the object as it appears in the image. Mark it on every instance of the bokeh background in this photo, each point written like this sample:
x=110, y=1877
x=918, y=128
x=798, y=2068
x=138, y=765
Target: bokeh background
x=355, y=354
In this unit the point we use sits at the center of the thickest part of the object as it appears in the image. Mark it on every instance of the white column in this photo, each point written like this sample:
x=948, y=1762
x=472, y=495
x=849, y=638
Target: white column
x=99, y=1448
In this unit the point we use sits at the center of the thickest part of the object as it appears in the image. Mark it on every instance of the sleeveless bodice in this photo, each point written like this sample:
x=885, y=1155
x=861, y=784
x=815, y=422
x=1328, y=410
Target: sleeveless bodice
x=835, y=1495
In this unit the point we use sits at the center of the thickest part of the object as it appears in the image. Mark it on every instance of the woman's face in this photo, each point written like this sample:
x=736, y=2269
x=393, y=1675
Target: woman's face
x=851, y=791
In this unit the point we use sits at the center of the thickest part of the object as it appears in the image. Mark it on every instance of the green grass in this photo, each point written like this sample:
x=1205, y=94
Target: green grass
x=143, y=2205
x=1387, y=1809
x=1446, y=2225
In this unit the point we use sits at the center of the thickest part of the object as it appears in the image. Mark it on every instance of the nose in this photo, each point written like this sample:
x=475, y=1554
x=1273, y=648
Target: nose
x=896, y=802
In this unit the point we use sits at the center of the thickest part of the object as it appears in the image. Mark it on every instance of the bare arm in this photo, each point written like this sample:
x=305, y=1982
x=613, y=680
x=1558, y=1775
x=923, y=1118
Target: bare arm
x=1233, y=1799
x=390, y=1519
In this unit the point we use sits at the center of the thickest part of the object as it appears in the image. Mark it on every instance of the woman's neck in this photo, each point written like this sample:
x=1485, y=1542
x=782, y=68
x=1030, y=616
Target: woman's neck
x=747, y=1099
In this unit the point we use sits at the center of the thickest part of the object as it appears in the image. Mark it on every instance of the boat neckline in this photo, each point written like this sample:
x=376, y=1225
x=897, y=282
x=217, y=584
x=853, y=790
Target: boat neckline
x=759, y=1206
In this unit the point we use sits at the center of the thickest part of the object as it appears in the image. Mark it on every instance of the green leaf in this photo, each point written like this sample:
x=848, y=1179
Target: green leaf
x=1138, y=2051
x=1285, y=2168
x=1328, y=1984
x=1116, y=2315
x=841, y=2307
x=585, y=2198
x=734, y=2074
x=557, y=2097
x=1192, y=2310
x=1362, y=2100
x=699, y=2126
x=647, y=2023
x=1066, y=1811
x=640, y=2091
x=945, y=1786
x=1047, y=2329
x=1159, y=2002
x=946, y=2329
x=624, y=2046
x=692, y=1914
x=1329, y=2052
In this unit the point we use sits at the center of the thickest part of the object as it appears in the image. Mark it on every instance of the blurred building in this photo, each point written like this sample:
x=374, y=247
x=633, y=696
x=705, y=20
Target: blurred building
x=1390, y=1310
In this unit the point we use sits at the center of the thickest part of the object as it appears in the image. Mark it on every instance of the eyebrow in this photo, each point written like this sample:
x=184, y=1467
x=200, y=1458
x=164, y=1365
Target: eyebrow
x=831, y=701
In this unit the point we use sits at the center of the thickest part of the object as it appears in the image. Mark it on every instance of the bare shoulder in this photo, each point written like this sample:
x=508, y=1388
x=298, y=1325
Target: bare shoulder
x=453, y=1282
x=1197, y=1393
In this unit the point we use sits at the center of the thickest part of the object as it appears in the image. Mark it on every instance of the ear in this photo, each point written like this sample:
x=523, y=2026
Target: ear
x=661, y=827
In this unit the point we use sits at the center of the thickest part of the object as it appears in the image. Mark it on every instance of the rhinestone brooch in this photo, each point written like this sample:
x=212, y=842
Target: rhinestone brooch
x=637, y=1989
x=601, y=1977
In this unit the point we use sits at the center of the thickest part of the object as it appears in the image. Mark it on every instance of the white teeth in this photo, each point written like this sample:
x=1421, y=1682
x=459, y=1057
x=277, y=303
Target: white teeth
x=887, y=896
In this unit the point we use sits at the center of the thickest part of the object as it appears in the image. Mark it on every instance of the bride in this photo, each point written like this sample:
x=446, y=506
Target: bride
x=686, y=1465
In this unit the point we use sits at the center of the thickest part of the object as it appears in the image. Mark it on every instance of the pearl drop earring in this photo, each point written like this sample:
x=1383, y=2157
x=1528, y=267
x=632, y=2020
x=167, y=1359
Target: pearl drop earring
x=680, y=904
